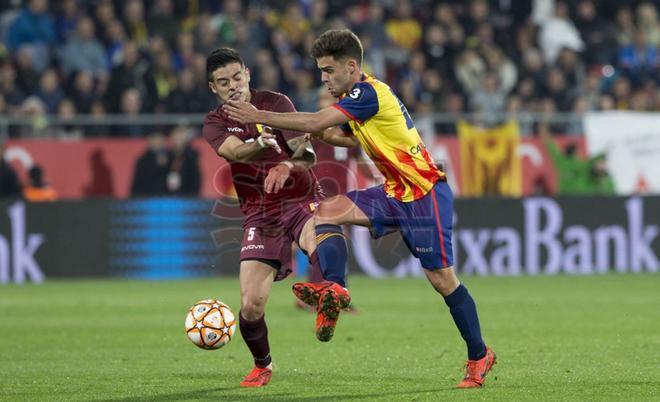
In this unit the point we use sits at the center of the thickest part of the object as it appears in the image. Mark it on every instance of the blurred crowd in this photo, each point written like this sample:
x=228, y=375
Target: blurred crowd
x=490, y=57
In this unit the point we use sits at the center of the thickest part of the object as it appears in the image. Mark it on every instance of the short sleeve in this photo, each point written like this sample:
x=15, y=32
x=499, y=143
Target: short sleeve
x=361, y=102
x=215, y=133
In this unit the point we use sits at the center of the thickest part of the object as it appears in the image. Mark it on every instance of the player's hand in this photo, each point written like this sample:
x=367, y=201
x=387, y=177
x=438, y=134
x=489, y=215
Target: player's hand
x=314, y=136
x=269, y=140
x=277, y=176
x=242, y=112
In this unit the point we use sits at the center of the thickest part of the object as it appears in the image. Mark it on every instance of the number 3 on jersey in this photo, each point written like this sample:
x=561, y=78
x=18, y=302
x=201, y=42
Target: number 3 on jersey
x=250, y=235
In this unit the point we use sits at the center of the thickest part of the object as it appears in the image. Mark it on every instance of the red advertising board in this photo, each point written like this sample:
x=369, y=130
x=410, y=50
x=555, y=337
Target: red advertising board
x=104, y=167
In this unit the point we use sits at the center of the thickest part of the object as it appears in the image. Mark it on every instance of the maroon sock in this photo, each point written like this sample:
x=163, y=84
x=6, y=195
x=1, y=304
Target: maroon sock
x=255, y=335
x=315, y=274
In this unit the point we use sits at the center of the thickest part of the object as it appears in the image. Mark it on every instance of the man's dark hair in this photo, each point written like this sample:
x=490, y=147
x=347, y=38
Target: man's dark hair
x=221, y=57
x=338, y=43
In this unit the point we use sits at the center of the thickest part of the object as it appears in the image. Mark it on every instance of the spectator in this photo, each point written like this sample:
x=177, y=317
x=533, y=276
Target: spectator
x=625, y=26
x=162, y=21
x=50, y=91
x=131, y=107
x=598, y=35
x=134, y=22
x=505, y=70
x=66, y=20
x=104, y=14
x=151, y=168
x=187, y=97
x=305, y=95
x=558, y=32
x=66, y=113
x=164, y=78
x=33, y=29
x=621, y=92
x=183, y=177
x=34, y=110
x=647, y=20
x=115, y=39
x=470, y=70
x=83, y=52
x=556, y=88
x=640, y=60
x=83, y=93
x=133, y=72
x=12, y=93
x=97, y=111
x=489, y=100
x=402, y=29
x=10, y=186
x=38, y=190
x=436, y=49
x=27, y=76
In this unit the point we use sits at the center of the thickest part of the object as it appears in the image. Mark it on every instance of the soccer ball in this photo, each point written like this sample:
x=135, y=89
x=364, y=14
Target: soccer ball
x=210, y=324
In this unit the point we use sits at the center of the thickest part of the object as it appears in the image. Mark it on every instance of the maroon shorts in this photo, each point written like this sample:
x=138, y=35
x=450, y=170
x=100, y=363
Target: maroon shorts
x=269, y=236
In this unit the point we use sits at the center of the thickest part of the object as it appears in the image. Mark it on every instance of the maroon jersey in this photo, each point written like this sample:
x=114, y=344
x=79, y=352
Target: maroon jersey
x=249, y=177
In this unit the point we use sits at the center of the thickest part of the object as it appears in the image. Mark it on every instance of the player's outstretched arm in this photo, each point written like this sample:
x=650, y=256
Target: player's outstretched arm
x=246, y=113
x=236, y=150
x=336, y=136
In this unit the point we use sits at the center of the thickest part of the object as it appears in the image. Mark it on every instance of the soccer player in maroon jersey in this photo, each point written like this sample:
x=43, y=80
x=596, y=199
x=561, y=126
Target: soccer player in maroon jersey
x=277, y=194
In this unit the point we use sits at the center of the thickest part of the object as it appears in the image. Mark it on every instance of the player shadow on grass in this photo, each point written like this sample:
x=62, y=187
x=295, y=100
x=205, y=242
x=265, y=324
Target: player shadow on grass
x=251, y=394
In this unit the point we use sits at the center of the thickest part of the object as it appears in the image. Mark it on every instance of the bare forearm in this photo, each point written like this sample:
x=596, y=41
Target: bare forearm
x=247, y=152
x=297, y=121
x=334, y=136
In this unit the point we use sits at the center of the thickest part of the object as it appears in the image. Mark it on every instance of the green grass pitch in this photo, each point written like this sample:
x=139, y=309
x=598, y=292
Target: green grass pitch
x=557, y=338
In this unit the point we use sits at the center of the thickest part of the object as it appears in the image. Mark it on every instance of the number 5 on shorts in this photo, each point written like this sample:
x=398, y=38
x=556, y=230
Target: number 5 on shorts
x=250, y=234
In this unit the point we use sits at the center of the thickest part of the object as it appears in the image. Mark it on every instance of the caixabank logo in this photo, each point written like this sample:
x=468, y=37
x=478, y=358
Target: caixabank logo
x=532, y=236
x=18, y=247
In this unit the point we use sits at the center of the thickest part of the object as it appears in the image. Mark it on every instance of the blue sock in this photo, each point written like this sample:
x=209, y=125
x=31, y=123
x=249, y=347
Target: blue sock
x=332, y=253
x=464, y=311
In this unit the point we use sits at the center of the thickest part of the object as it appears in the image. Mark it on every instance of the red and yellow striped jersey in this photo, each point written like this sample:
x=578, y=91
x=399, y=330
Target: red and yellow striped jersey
x=388, y=135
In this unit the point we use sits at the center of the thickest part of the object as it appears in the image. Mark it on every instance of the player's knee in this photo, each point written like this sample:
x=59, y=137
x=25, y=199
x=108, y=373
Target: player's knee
x=444, y=280
x=252, y=309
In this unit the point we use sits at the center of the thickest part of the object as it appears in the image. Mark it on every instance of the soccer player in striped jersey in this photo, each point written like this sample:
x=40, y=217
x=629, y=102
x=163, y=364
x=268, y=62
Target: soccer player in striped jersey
x=415, y=199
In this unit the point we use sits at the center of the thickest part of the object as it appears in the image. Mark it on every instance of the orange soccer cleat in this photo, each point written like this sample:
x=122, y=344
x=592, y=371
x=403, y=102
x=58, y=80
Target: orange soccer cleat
x=329, y=298
x=476, y=370
x=258, y=377
x=309, y=292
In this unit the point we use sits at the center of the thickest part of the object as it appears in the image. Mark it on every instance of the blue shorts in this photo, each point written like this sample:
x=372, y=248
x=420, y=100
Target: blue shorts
x=425, y=224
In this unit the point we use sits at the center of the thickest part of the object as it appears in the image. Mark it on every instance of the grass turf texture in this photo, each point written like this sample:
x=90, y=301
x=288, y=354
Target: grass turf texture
x=557, y=338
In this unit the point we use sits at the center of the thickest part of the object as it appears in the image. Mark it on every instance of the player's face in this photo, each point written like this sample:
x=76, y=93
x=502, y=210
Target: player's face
x=231, y=81
x=336, y=75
